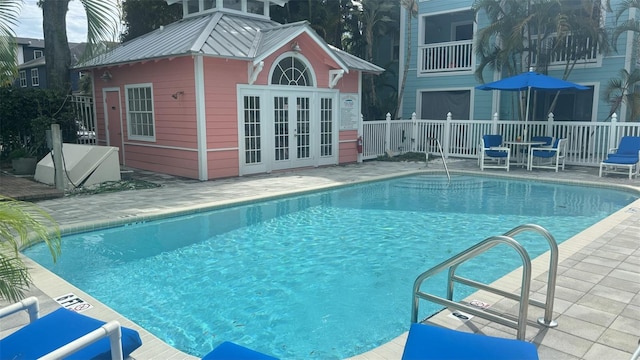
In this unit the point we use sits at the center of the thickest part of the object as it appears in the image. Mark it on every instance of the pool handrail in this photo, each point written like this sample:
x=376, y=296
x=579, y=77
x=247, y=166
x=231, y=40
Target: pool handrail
x=479, y=248
x=547, y=320
x=444, y=162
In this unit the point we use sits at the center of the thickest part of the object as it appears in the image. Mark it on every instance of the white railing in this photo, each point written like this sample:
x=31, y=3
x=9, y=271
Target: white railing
x=572, y=48
x=588, y=142
x=85, y=119
x=447, y=56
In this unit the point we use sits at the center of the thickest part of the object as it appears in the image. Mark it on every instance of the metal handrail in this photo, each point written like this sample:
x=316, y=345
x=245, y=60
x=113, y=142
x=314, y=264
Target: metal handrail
x=471, y=252
x=524, y=300
x=426, y=153
x=551, y=281
x=552, y=273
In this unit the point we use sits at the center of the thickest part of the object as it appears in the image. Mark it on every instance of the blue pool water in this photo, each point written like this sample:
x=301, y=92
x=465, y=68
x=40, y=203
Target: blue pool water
x=325, y=275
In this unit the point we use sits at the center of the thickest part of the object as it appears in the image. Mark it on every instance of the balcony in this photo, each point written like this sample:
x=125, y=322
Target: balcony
x=445, y=57
x=583, y=51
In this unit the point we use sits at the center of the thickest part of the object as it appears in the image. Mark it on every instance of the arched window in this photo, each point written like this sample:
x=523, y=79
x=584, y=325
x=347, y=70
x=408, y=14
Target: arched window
x=291, y=71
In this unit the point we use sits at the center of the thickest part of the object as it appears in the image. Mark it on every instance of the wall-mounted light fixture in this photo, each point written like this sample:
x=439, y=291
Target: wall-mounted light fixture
x=295, y=47
x=177, y=94
x=106, y=76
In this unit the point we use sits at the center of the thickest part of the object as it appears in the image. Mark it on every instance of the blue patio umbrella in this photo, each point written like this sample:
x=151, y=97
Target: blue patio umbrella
x=531, y=80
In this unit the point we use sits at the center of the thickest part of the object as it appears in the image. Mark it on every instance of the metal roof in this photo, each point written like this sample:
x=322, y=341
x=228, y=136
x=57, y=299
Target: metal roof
x=356, y=63
x=220, y=34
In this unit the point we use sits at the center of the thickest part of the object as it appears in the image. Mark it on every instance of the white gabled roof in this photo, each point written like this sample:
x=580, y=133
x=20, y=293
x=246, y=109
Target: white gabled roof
x=219, y=34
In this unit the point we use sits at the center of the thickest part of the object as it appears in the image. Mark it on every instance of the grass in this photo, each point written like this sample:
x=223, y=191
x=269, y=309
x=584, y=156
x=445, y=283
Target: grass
x=114, y=186
x=408, y=156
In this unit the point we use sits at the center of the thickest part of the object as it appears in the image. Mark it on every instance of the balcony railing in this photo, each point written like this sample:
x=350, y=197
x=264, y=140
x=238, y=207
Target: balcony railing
x=445, y=57
x=572, y=48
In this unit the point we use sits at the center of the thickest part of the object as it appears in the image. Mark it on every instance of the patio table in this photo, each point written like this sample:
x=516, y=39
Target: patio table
x=522, y=158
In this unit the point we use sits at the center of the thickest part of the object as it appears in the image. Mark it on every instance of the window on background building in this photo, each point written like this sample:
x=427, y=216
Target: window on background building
x=23, y=78
x=37, y=54
x=35, y=77
x=571, y=105
x=141, y=124
x=437, y=104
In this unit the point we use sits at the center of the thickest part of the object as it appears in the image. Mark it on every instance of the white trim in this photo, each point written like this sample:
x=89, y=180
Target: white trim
x=401, y=55
x=150, y=145
x=223, y=149
x=334, y=77
x=201, y=118
x=300, y=57
x=628, y=60
x=254, y=71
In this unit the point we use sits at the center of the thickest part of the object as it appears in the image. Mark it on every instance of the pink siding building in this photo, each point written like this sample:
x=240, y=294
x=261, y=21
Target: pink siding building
x=227, y=92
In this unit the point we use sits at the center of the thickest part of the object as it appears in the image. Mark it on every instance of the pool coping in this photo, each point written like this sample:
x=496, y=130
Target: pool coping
x=52, y=285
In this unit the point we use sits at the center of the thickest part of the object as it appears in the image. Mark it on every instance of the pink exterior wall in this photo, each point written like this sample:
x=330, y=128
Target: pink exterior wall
x=174, y=118
x=221, y=77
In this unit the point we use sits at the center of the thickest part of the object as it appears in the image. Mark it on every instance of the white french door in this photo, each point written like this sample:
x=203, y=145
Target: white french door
x=286, y=129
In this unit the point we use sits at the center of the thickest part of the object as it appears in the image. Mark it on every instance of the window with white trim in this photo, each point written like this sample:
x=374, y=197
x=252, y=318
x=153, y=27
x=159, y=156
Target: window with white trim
x=23, y=78
x=37, y=54
x=140, y=124
x=35, y=77
x=291, y=71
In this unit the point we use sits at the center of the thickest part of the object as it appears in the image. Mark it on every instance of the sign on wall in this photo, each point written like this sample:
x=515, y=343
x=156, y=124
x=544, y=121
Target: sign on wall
x=349, y=111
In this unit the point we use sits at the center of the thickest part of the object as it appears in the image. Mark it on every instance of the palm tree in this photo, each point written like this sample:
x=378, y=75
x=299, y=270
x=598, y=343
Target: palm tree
x=621, y=91
x=22, y=224
x=9, y=12
x=632, y=25
x=375, y=14
x=411, y=7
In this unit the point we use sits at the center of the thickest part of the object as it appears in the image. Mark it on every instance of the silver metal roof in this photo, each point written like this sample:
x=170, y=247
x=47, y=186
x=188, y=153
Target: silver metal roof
x=220, y=34
x=355, y=63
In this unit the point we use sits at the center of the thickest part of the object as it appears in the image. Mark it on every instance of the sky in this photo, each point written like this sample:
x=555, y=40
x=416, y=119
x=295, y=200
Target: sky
x=30, y=21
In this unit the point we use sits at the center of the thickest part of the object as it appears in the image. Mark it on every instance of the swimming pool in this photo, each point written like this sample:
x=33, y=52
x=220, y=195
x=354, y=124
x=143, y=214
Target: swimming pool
x=311, y=276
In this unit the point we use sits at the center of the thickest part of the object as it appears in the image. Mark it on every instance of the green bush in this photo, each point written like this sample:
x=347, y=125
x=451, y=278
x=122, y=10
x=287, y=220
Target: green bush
x=26, y=114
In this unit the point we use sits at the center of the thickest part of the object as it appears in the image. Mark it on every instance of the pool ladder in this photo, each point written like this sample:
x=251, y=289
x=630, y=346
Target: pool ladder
x=523, y=298
x=426, y=154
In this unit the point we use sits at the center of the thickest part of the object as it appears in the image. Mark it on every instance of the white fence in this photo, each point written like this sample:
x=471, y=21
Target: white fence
x=588, y=142
x=85, y=119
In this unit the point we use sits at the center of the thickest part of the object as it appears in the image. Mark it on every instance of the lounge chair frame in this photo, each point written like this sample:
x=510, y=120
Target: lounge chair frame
x=609, y=166
x=110, y=329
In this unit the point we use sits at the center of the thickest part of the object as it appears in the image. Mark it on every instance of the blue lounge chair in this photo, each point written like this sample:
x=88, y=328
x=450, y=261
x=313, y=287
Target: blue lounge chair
x=626, y=155
x=493, y=154
x=65, y=334
x=431, y=342
x=549, y=158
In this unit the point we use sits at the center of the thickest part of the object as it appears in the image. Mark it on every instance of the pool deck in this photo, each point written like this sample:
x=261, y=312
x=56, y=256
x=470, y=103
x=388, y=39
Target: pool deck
x=597, y=302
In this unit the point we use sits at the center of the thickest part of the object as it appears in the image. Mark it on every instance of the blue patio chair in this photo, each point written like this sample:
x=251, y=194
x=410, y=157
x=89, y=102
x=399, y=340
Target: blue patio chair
x=431, y=342
x=493, y=154
x=548, y=140
x=549, y=158
x=626, y=156
x=65, y=334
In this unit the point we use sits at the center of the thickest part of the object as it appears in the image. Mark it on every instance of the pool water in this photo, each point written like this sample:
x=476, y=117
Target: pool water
x=326, y=275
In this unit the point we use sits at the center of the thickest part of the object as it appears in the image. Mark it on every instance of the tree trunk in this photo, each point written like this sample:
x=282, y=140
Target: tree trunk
x=56, y=51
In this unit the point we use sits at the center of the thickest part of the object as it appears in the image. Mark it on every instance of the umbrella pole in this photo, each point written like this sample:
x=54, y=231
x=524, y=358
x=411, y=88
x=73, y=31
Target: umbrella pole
x=526, y=115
